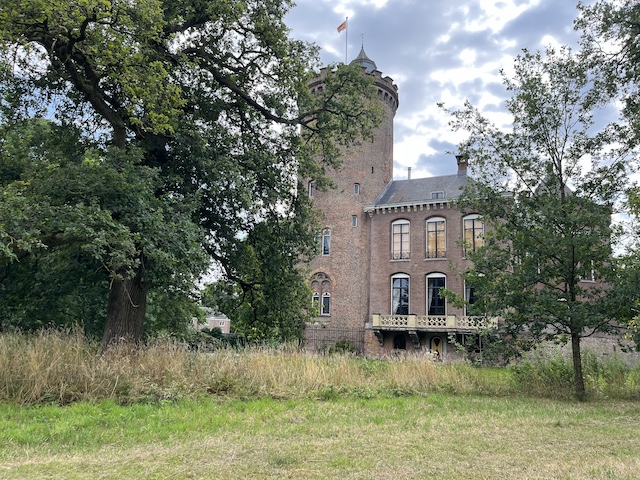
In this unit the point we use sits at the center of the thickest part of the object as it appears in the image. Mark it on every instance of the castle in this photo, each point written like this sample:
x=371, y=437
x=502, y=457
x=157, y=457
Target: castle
x=387, y=248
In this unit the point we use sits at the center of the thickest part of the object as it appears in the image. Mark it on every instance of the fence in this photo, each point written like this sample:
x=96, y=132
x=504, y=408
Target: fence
x=328, y=338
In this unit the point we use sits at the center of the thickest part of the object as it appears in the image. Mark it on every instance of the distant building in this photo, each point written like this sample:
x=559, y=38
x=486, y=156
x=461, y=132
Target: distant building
x=213, y=320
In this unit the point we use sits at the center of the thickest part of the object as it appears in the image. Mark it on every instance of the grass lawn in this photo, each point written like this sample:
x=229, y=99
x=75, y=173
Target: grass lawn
x=435, y=436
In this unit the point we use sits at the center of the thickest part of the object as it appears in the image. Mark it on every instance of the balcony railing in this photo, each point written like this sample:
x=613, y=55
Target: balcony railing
x=431, y=322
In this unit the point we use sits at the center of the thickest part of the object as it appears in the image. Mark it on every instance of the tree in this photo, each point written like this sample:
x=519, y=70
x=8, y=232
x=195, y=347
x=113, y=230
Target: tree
x=611, y=42
x=194, y=110
x=79, y=207
x=268, y=298
x=547, y=189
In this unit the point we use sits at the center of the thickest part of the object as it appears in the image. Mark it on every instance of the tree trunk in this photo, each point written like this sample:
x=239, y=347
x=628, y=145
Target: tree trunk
x=578, y=378
x=126, y=310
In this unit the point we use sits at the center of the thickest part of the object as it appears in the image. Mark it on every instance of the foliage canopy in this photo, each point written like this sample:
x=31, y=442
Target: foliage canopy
x=192, y=125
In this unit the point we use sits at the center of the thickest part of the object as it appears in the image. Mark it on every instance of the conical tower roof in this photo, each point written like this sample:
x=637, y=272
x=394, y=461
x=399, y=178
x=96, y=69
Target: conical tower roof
x=365, y=61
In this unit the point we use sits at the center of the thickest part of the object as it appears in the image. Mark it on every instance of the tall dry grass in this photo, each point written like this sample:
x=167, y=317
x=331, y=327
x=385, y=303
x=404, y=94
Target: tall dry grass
x=63, y=367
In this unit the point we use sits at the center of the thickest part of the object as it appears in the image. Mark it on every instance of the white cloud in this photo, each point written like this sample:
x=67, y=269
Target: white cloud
x=436, y=51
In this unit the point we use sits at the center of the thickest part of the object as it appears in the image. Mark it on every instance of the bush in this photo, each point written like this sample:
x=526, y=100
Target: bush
x=551, y=375
x=340, y=347
x=544, y=375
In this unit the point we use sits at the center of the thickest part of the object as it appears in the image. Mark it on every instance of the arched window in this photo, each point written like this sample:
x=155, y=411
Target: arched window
x=321, y=296
x=400, y=240
x=473, y=227
x=435, y=304
x=400, y=294
x=436, y=238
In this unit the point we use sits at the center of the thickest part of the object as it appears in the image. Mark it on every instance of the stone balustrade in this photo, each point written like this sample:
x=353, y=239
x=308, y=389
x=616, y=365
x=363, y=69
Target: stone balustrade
x=431, y=322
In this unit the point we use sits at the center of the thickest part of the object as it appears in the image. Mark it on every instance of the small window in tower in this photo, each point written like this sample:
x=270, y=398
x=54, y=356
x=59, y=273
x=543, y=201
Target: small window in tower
x=354, y=220
x=326, y=242
x=371, y=169
x=356, y=188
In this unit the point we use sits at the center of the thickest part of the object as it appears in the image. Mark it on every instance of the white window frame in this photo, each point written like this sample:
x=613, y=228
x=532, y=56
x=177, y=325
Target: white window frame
x=434, y=276
x=467, y=291
x=443, y=250
x=325, y=242
x=325, y=306
x=395, y=303
x=472, y=246
x=404, y=240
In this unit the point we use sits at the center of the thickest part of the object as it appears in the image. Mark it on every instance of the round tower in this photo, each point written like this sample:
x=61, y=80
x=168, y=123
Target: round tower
x=340, y=272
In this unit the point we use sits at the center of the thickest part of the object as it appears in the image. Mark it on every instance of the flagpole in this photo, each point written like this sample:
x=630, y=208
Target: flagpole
x=346, y=40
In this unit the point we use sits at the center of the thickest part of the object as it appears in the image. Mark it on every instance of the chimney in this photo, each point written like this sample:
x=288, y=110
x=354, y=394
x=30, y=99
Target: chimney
x=408, y=173
x=463, y=163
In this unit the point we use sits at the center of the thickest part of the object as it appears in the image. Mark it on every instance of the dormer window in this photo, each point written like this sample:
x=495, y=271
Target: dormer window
x=437, y=195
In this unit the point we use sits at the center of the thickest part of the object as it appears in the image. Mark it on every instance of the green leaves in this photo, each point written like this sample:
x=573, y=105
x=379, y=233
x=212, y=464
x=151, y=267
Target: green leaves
x=193, y=125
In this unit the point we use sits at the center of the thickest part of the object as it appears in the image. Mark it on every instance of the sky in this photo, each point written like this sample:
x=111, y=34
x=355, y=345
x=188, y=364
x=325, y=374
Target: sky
x=436, y=51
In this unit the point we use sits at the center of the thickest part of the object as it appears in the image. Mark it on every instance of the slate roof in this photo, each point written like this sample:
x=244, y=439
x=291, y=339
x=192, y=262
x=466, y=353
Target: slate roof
x=419, y=190
x=365, y=61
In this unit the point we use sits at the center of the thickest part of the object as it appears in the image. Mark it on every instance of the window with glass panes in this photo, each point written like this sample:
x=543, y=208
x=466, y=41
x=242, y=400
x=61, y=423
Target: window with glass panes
x=400, y=240
x=436, y=235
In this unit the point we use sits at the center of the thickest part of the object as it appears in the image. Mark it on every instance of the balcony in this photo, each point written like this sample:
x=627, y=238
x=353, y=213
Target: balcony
x=413, y=324
x=432, y=323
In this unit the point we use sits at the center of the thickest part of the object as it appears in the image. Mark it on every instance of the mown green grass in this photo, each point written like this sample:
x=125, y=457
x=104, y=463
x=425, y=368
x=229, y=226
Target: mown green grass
x=411, y=437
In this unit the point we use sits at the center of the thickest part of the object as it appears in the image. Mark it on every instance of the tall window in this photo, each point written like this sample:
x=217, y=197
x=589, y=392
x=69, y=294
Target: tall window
x=587, y=273
x=400, y=240
x=473, y=233
x=470, y=297
x=436, y=234
x=325, y=245
x=400, y=294
x=312, y=188
x=321, y=296
x=356, y=188
x=326, y=304
x=435, y=304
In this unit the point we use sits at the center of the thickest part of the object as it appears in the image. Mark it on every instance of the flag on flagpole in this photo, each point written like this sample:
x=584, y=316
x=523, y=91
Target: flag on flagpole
x=342, y=26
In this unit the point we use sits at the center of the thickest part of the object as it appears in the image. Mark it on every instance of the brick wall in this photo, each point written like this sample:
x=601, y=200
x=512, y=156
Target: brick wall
x=383, y=267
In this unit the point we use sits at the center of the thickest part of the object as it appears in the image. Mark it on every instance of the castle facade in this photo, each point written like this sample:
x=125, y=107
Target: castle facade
x=387, y=248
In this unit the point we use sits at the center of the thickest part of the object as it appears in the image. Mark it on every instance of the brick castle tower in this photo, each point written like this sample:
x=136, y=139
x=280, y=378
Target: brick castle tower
x=340, y=273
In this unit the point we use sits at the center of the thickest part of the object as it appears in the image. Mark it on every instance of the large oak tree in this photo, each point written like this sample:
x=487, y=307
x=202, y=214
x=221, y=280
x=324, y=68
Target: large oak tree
x=196, y=123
